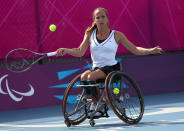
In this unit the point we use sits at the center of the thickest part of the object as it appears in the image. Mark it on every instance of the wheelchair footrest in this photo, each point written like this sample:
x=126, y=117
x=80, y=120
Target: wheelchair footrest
x=97, y=117
x=103, y=114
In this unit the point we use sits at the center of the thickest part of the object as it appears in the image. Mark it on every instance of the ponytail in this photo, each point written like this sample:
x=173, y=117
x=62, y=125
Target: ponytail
x=91, y=28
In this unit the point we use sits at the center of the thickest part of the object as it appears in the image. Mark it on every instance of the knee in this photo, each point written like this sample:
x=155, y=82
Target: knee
x=91, y=77
x=84, y=76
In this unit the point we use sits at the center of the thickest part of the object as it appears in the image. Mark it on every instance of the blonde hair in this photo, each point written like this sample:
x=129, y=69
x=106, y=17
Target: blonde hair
x=94, y=26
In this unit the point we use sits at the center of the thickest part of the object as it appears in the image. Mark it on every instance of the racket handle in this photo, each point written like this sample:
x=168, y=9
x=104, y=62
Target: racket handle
x=51, y=54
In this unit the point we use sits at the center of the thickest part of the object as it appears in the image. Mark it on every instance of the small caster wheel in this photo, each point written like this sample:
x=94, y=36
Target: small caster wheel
x=67, y=122
x=92, y=122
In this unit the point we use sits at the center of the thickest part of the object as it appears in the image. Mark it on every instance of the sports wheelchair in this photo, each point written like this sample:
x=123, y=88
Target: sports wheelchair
x=117, y=90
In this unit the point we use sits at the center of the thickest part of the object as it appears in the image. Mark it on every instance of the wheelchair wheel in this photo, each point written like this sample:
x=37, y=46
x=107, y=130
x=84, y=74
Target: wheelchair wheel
x=75, y=103
x=124, y=97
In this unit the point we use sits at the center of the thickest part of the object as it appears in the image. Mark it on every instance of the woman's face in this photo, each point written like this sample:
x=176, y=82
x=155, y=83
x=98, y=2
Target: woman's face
x=100, y=18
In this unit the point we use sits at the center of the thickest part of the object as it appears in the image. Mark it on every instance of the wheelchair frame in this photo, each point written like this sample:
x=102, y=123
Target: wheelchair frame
x=107, y=98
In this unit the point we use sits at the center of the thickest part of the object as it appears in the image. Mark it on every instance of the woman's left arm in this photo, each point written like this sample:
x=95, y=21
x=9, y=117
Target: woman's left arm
x=121, y=38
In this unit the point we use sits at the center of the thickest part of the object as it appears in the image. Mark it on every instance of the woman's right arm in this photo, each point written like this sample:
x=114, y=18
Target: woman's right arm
x=78, y=52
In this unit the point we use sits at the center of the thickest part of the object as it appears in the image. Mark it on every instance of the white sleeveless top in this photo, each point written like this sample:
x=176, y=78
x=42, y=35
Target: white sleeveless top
x=103, y=54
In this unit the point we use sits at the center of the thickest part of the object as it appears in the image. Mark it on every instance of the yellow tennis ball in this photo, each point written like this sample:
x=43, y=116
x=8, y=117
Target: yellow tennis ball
x=116, y=91
x=52, y=27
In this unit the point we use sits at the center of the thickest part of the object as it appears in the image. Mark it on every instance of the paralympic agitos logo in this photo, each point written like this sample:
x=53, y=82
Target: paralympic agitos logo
x=13, y=93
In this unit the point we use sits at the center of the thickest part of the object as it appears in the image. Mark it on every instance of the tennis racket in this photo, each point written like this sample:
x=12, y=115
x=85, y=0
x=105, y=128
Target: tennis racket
x=20, y=60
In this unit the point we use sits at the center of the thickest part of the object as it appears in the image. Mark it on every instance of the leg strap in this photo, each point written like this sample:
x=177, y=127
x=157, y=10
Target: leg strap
x=90, y=90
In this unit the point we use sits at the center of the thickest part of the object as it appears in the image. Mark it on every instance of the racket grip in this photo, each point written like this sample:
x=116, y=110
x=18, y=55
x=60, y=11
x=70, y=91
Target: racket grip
x=51, y=54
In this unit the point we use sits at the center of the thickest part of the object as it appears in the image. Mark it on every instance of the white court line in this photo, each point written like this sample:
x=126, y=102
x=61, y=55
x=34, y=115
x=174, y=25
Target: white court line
x=13, y=129
x=166, y=111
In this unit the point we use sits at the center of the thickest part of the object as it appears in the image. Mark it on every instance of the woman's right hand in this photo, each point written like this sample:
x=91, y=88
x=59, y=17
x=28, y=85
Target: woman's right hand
x=61, y=51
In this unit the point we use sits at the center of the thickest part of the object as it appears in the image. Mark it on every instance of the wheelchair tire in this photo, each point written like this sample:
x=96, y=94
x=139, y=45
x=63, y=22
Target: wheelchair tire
x=70, y=103
x=124, y=97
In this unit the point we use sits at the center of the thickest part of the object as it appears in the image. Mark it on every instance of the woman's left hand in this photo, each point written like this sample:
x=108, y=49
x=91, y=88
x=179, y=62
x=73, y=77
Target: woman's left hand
x=156, y=50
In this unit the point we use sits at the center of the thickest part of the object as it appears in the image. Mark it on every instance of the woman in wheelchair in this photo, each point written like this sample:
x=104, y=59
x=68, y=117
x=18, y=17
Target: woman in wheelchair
x=89, y=77
x=103, y=43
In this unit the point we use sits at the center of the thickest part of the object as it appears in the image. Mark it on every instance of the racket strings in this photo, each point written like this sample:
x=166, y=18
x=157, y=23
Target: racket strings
x=19, y=60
